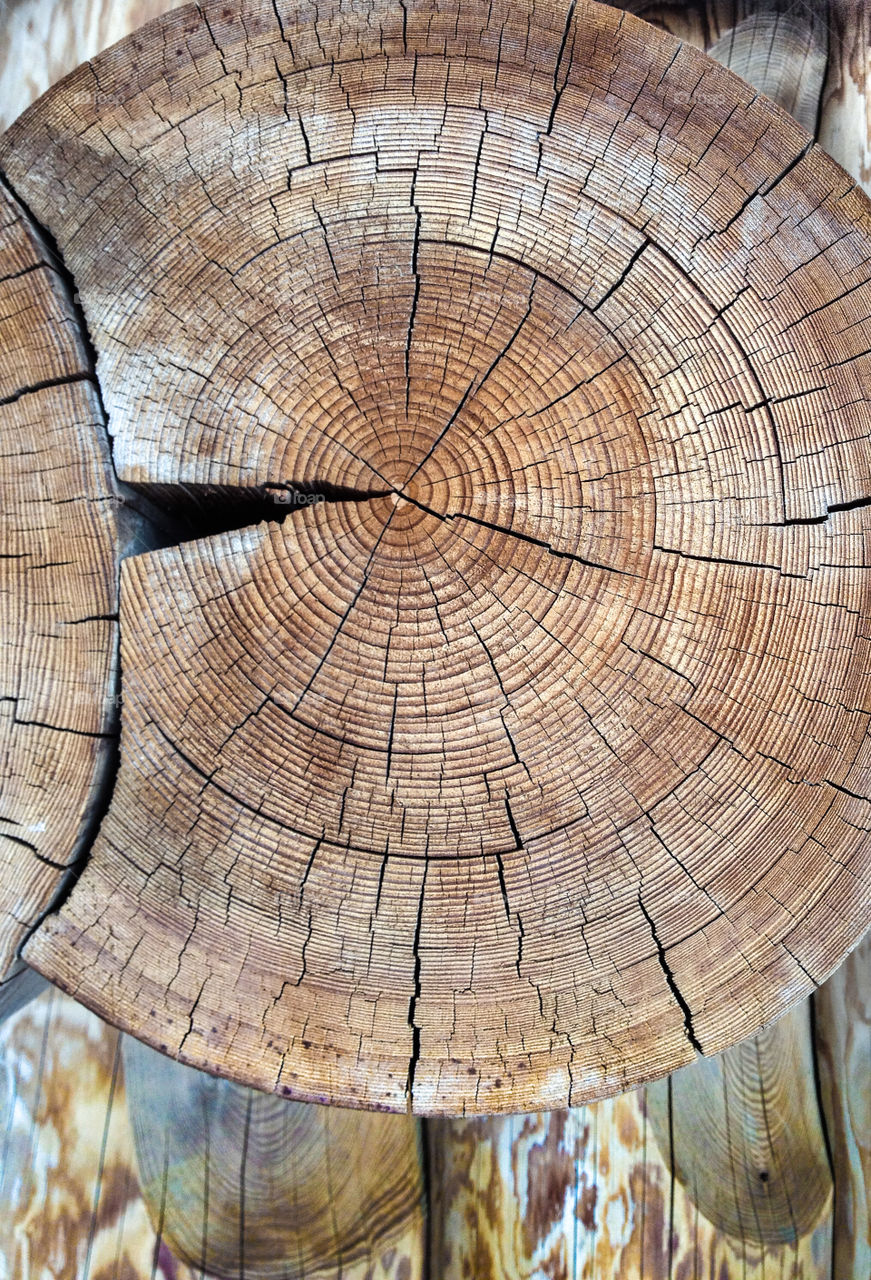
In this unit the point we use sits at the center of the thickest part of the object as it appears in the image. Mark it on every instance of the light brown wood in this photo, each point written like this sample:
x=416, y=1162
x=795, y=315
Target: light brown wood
x=694, y=1251
x=843, y=1024
x=586, y=1195
x=843, y=1015
x=70, y=1205
x=59, y=540
x=43, y=40
x=749, y=1147
x=246, y=1184
x=845, y=125
x=519, y=784
x=746, y=1133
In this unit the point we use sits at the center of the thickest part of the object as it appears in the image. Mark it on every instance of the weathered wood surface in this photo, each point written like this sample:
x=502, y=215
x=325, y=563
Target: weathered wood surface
x=842, y=27
x=843, y=1022
x=779, y=46
x=246, y=1184
x=783, y=55
x=740, y=1134
x=70, y=1205
x=346, y=736
x=58, y=590
x=747, y=1136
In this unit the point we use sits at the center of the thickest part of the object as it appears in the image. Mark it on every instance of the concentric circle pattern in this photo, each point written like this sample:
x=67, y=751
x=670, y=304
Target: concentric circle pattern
x=537, y=760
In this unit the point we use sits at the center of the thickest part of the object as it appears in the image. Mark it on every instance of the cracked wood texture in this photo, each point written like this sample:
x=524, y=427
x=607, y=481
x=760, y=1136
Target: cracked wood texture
x=114, y=1166
x=586, y=1194
x=58, y=591
x=533, y=758
x=741, y=1136
x=43, y=40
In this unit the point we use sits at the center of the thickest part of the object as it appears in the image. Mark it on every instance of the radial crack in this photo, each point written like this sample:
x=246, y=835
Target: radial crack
x=54, y=259
x=669, y=977
x=415, y=996
x=193, y=510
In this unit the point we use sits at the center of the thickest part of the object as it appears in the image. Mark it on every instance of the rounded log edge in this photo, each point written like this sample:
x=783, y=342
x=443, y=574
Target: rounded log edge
x=519, y=754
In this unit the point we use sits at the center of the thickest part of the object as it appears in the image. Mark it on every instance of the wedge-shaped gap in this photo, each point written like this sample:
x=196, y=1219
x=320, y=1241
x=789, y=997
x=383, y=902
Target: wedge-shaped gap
x=184, y=512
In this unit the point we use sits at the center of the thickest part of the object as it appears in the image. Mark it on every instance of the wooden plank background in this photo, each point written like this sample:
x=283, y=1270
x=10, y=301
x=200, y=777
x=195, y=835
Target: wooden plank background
x=591, y=1193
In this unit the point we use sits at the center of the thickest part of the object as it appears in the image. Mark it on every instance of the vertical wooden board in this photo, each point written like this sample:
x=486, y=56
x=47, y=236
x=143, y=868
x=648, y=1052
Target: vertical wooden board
x=843, y=1030
x=845, y=124
x=584, y=1195
x=69, y=1189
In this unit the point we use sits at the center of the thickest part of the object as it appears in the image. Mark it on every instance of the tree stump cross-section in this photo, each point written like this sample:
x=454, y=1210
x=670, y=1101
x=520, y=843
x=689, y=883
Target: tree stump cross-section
x=521, y=753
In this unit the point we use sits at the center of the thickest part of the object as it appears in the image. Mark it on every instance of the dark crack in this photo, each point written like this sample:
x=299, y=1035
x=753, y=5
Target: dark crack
x=107, y=756
x=855, y=505
x=65, y=380
x=415, y=996
x=190, y=511
x=669, y=977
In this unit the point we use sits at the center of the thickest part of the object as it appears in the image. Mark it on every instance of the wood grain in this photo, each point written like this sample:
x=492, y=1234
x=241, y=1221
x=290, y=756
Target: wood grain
x=707, y=1253
x=69, y=1190
x=781, y=47
x=59, y=543
x=492, y=785
x=843, y=1023
x=585, y=1195
x=246, y=1184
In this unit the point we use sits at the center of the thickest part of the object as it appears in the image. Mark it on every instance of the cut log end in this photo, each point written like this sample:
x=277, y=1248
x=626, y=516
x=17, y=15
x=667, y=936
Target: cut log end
x=58, y=590
x=520, y=756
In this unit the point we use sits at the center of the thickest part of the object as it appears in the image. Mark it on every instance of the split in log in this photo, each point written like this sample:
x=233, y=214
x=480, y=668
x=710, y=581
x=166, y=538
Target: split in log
x=244, y=1184
x=530, y=779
